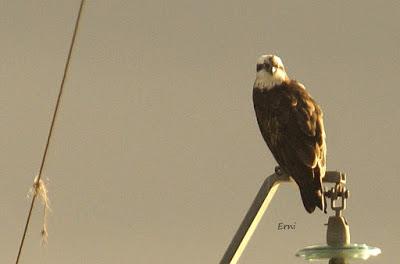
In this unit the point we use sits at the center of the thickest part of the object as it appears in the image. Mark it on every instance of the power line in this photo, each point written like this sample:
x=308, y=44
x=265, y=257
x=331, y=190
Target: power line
x=37, y=181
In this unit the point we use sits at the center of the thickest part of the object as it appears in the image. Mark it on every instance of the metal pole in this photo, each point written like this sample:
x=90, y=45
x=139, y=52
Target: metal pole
x=252, y=218
x=338, y=261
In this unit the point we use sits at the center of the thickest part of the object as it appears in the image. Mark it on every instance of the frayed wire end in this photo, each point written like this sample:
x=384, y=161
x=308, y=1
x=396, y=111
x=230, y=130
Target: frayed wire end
x=39, y=189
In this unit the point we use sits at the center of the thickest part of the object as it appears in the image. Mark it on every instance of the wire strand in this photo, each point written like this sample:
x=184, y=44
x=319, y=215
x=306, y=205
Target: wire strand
x=43, y=161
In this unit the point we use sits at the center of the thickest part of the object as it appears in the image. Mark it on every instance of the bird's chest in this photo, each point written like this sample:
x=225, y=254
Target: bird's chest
x=277, y=111
x=273, y=113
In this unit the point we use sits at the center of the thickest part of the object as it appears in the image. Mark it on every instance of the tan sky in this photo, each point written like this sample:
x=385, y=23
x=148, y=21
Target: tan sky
x=157, y=154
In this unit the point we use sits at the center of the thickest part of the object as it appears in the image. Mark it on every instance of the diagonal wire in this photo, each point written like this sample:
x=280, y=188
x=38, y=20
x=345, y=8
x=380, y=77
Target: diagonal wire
x=51, y=128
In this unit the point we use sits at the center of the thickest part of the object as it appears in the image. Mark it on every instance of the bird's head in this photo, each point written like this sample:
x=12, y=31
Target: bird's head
x=270, y=72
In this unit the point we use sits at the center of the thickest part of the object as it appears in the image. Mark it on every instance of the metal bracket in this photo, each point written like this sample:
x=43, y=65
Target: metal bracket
x=258, y=208
x=253, y=217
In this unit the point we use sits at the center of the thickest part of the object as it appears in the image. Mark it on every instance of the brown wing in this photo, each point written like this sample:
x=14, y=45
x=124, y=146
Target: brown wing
x=292, y=125
x=305, y=131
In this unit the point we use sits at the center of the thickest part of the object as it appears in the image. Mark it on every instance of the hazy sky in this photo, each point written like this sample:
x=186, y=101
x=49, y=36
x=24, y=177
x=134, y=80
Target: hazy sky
x=157, y=154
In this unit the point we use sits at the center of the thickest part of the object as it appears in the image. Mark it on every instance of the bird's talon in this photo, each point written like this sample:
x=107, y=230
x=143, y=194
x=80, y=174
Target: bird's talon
x=278, y=170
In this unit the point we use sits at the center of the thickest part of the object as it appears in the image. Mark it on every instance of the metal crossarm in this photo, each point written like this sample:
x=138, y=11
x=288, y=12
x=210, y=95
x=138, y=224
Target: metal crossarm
x=257, y=210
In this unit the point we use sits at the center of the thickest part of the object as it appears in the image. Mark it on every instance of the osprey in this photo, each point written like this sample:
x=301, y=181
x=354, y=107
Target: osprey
x=291, y=124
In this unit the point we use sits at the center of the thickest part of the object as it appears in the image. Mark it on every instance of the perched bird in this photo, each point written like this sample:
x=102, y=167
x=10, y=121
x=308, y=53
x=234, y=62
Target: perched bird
x=292, y=126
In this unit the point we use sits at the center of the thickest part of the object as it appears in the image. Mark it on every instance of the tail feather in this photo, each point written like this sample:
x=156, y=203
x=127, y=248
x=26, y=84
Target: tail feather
x=312, y=195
